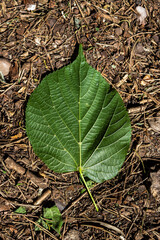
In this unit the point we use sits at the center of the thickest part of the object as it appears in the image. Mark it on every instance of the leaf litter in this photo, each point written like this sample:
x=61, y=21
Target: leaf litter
x=126, y=201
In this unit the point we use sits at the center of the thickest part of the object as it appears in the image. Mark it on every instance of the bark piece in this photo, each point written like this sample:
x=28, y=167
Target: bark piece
x=155, y=124
x=11, y=164
x=155, y=186
x=43, y=197
x=72, y=235
x=5, y=66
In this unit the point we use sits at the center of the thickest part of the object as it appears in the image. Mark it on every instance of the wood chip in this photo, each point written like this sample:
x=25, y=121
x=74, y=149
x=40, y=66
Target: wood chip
x=11, y=164
x=43, y=197
x=5, y=66
x=155, y=124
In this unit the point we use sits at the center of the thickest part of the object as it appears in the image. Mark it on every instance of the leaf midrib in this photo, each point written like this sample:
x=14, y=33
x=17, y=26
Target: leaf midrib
x=79, y=122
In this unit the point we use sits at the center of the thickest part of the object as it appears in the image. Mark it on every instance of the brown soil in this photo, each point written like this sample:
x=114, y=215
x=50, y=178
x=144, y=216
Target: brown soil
x=127, y=55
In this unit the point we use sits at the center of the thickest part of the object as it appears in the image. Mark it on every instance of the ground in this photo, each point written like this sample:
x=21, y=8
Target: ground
x=125, y=50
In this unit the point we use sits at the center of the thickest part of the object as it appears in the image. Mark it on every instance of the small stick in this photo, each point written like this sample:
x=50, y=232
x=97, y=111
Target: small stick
x=11, y=164
x=44, y=195
x=101, y=225
x=42, y=228
x=138, y=109
x=81, y=12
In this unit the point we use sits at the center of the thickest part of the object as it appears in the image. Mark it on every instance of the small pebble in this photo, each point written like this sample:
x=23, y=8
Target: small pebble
x=142, y=14
x=4, y=66
x=118, y=31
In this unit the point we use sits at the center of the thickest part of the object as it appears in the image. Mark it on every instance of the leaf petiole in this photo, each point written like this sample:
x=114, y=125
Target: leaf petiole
x=89, y=192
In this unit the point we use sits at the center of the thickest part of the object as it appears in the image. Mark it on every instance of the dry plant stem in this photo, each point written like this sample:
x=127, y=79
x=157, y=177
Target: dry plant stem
x=93, y=226
x=9, y=88
x=131, y=226
x=42, y=228
x=64, y=228
x=15, y=203
x=82, y=177
x=77, y=200
x=103, y=225
x=81, y=12
x=123, y=191
x=151, y=97
x=12, y=143
x=44, y=195
x=138, y=109
x=11, y=164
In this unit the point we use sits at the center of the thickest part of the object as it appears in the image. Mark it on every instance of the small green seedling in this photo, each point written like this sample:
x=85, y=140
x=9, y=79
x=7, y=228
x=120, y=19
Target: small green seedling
x=76, y=121
x=90, y=184
x=21, y=210
x=52, y=218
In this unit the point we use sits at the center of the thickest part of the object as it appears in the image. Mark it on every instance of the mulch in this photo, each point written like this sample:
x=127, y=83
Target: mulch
x=126, y=53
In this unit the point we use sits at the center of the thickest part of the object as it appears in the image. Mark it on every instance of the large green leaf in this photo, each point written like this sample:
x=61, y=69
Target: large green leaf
x=76, y=121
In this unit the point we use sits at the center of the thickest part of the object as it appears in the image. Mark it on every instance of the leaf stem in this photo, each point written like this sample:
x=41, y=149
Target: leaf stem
x=89, y=192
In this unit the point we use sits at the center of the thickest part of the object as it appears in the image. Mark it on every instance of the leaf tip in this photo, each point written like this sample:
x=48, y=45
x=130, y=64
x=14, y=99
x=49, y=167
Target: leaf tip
x=80, y=49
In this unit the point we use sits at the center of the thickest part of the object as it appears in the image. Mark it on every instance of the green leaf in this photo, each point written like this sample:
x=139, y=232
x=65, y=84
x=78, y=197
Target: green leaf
x=43, y=223
x=90, y=184
x=76, y=121
x=52, y=218
x=54, y=214
x=21, y=210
